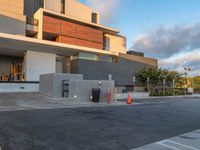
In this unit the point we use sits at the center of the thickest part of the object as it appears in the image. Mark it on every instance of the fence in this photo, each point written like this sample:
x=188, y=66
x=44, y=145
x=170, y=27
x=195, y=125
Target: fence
x=158, y=89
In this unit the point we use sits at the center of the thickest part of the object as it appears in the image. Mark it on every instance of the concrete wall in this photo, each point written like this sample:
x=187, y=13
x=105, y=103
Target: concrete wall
x=51, y=84
x=19, y=87
x=13, y=6
x=77, y=10
x=54, y=5
x=117, y=43
x=133, y=95
x=37, y=63
x=12, y=20
x=122, y=72
x=82, y=90
x=12, y=23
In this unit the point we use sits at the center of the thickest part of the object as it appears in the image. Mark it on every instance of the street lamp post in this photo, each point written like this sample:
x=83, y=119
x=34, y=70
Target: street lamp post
x=173, y=86
x=134, y=79
x=148, y=83
x=186, y=73
x=164, y=86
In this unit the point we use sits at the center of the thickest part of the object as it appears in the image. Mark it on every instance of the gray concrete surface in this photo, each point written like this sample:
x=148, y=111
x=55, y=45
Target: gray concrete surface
x=122, y=72
x=188, y=141
x=12, y=25
x=95, y=128
x=30, y=101
x=51, y=84
x=19, y=87
x=82, y=89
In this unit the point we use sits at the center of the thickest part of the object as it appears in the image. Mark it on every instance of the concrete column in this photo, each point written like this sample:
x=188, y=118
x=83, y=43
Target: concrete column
x=67, y=65
x=37, y=63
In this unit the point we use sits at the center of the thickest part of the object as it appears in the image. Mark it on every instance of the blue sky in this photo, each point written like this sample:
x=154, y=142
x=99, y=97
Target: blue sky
x=161, y=25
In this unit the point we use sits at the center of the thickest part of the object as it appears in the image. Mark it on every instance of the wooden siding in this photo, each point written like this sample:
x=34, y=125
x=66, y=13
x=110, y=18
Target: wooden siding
x=72, y=33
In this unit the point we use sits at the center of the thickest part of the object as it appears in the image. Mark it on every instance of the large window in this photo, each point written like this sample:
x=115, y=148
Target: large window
x=88, y=56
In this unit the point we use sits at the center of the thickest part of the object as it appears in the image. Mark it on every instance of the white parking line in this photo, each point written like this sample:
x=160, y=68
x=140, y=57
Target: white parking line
x=164, y=143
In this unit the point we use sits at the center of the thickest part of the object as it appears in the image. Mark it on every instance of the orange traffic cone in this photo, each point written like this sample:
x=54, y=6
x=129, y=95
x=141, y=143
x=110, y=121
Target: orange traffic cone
x=129, y=100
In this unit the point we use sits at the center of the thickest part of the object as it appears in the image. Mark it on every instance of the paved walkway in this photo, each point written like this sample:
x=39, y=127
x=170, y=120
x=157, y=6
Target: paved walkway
x=188, y=141
x=35, y=100
x=31, y=101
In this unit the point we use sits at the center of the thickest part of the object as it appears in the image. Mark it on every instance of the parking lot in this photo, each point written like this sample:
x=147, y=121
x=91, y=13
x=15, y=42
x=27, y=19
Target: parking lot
x=117, y=127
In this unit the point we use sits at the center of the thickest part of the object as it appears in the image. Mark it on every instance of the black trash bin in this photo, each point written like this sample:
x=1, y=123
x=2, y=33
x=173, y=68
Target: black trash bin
x=95, y=94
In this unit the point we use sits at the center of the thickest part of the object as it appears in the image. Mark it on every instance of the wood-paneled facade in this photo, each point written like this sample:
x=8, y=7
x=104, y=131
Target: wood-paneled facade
x=73, y=33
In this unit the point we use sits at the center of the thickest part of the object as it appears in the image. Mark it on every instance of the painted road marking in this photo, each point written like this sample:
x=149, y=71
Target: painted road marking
x=191, y=141
x=175, y=145
x=165, y=145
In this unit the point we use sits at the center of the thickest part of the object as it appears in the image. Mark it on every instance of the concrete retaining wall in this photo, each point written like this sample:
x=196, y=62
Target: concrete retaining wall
x=51, y=84
x=134, y=95
x=82, y=89
x=19, y=87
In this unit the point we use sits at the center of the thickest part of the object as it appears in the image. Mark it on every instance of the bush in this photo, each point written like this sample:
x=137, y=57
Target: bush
x=168, y=92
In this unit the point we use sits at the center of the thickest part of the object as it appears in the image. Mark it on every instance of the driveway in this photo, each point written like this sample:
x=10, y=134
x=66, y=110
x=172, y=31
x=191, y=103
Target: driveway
x=98, y=128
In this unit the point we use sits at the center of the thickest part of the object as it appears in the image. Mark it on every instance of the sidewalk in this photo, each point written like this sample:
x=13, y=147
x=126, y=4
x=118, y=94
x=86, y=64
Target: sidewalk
x=29, y=101
x=188, y=141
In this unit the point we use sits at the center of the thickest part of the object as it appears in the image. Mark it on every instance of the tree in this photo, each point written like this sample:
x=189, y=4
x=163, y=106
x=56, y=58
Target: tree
x=196, y=82
x=156, y=75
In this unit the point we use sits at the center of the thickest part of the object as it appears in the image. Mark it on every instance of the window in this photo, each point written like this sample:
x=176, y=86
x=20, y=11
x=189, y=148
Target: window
x=94, y=17
x=88, y=56
x=106, y=43
x=62, y=6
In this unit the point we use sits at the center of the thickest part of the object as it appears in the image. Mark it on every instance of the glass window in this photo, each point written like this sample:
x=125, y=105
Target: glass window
x=88, y=56
x=62, y=6
x=106, y=43
x=94, y=17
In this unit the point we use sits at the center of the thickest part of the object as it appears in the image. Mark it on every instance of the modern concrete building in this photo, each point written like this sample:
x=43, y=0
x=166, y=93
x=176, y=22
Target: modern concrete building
x=61, y=36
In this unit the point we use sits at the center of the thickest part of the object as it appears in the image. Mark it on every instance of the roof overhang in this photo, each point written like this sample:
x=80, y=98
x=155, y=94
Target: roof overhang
x=19, y=44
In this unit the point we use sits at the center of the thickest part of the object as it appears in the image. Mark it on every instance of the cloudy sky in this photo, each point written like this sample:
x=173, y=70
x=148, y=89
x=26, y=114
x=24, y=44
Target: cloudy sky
x=168, y=30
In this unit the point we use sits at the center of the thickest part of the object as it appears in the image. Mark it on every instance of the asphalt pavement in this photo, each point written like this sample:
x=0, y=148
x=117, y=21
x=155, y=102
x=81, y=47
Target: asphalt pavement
x=98, y=128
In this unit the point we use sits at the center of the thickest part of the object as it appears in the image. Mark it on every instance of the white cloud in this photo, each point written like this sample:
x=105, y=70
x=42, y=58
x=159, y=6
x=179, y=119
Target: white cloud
x=107, y=9
x=176, y=46
x=164, y=42
x=180, y=61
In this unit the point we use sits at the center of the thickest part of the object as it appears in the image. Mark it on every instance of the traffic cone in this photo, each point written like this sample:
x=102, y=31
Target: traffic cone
x=129, y=99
